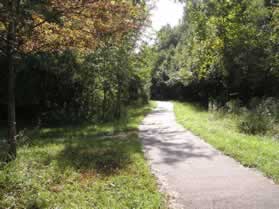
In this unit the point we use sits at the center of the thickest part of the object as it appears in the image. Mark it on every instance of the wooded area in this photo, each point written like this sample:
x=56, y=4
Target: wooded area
x=224, y=56
x=76, y=61
x=73, y=71
x=68, y=61
x=222, y=50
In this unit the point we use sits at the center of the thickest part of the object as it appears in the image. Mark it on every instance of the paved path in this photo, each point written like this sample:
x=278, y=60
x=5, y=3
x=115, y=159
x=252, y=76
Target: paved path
x=195, y=174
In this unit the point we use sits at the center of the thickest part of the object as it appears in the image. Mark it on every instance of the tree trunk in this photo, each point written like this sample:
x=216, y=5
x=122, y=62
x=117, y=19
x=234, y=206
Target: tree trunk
x=118, y=103
x=11, y=81
x=104, y=101
x=11, y=109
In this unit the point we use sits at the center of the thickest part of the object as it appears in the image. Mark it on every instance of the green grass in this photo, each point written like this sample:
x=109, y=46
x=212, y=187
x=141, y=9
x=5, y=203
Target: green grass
x=261, y=152
x=91, y=166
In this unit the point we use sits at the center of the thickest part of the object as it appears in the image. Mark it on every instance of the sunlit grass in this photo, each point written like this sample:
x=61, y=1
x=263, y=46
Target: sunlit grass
x=222, y=132
x=89, y=166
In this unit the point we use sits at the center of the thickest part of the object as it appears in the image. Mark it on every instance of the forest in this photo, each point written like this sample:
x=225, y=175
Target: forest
x=74, y=71
x=69, y=61
x=224, y=56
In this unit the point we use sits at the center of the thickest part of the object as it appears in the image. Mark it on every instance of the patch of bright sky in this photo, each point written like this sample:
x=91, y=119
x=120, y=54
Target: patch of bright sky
x=165, y=12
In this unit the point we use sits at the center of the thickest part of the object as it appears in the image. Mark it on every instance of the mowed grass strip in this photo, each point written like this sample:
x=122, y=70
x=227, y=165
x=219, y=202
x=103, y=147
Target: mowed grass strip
x=91, y=166
x=261, y=152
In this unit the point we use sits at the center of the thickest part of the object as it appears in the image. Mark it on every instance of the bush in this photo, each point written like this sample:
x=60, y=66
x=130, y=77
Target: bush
x=262, y=116
x=254, y=123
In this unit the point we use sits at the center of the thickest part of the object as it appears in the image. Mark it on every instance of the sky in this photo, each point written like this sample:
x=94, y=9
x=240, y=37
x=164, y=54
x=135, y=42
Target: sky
x=165, y=12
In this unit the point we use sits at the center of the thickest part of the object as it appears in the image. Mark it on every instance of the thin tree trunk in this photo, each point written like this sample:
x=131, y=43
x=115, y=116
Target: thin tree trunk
x=11, y=110
x=11, y=81
x=104, y=101
x=118, y=103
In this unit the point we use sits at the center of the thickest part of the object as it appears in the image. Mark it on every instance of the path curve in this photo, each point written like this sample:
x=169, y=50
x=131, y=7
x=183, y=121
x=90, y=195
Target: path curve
x=195, y=174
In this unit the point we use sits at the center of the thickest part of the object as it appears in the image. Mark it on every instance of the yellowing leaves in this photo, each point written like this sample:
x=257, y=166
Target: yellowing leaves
x=85, y=25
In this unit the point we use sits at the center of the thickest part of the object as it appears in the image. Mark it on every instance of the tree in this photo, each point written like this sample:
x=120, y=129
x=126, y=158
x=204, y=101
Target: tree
x=53, y=25
x=224, y=50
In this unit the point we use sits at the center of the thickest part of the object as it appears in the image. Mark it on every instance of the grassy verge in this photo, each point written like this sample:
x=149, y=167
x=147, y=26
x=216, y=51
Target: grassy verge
x=261, y=152
x=90, y=166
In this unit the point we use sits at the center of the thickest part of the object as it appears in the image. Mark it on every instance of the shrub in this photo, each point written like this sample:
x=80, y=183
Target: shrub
x=262, y=116
x=254, y=123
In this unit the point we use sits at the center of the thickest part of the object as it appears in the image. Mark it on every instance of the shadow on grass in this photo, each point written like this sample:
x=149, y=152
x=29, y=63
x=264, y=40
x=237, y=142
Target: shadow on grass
x=74, y=162
x=103, y=156
x=104, y=148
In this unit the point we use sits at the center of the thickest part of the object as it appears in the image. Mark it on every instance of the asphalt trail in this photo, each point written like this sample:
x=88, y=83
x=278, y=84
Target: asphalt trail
x=196, y=175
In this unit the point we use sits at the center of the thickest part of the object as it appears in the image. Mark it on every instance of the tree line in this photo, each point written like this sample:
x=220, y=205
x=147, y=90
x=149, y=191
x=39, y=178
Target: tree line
x=68, y=61
x=221, y=51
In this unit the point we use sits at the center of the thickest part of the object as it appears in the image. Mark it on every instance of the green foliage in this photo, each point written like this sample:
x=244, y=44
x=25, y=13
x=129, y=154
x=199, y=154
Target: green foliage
x=221, y=50
x=255, y=123
x=164, y=68
x=261, y=118
x=71, y=86
x=72, y=60
x=222, y=131
x=87, y=166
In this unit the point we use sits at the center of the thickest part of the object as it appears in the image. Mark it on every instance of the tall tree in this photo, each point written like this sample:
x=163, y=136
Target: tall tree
x=29, y=26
